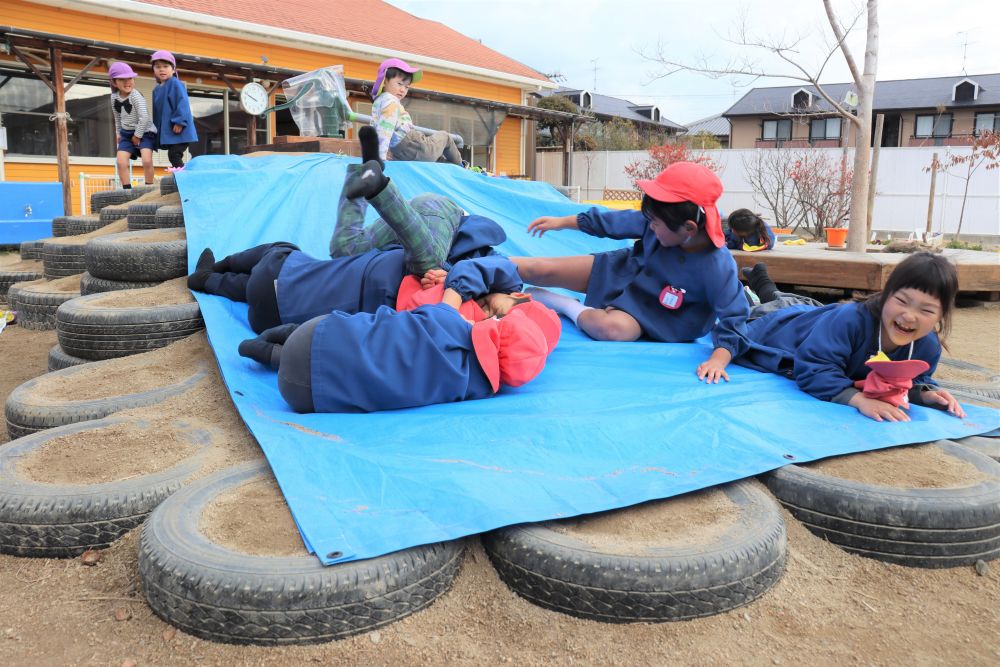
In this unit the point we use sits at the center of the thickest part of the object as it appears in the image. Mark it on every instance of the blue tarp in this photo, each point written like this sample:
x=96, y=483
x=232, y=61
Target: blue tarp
x=606, y=425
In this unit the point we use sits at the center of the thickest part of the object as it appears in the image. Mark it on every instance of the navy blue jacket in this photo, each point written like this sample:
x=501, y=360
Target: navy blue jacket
x=631, y=280
x=171, y=107
x=388, y=360
x=825, y=349
x=734, y=242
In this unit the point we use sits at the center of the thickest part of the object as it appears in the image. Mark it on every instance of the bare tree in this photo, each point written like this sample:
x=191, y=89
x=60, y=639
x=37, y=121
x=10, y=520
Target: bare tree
x=786, y=50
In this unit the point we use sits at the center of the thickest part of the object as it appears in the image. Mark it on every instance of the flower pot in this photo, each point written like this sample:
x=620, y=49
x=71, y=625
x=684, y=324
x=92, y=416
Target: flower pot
x=836, y=237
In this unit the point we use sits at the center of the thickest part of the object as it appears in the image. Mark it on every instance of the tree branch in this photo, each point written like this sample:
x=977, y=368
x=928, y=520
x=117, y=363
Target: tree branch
x=842, y=42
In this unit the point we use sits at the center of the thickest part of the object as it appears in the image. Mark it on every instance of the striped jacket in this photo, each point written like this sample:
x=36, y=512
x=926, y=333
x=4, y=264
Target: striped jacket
x=138, y=119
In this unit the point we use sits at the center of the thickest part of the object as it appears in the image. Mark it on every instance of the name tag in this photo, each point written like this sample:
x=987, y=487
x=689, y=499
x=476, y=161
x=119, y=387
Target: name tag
x=671, y=298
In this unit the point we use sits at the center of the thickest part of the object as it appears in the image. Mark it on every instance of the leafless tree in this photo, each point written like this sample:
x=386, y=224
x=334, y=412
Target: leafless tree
x=787, y=51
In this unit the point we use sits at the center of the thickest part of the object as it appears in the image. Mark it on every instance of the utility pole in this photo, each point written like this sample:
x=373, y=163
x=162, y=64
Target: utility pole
x=594, y=62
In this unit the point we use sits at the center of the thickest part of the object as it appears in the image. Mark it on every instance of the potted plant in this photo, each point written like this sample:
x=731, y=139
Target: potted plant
x=836, y=236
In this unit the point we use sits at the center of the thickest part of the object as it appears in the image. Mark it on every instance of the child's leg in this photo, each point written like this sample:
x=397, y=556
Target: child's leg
x=417, y=147
x=609, y=324
x=350, y=236
x=450, y=151
x=175, y=153
x=121, y=163
x=570, y=272
x=425, y=226
x=147, y=165
x=295, y=369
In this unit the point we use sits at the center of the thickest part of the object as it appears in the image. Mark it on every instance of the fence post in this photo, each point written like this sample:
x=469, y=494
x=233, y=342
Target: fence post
x=930, y=201
x=83, y=195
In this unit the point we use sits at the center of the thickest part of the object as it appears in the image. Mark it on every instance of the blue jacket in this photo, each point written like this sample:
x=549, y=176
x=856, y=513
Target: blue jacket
x=734, y=242
x=309, y=287
x=825, y=349
x=171, y=107
x=388, y=360
x=631, y=280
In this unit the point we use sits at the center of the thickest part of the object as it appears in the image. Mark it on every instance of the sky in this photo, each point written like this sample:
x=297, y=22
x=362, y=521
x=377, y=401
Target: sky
x=606, y=45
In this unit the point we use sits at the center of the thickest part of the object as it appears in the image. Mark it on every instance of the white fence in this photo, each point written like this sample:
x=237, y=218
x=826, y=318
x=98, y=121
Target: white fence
x=900, y=201
x=91, y=183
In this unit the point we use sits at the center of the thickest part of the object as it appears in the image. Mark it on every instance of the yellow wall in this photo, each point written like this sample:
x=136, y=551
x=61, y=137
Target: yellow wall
x=113, y=30
x=36, y=172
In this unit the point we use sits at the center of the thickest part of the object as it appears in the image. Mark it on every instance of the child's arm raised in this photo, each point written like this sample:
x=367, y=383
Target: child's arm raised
x=604, y=224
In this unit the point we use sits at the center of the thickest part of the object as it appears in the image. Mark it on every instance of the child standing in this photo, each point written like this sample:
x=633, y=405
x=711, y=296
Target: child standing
x=171, y=109
x=671, y=285
x=134, y=126
x=748, y=231
x=396, y=135
x=829, y=350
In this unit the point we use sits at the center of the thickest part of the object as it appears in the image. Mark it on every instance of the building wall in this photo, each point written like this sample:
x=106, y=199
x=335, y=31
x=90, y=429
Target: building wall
x=42, y=170
x=113, y=30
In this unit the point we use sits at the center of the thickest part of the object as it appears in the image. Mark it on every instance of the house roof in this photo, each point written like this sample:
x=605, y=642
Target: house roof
x=603, y=105
x=362, y=22
x=715, y=125
x=889, y=95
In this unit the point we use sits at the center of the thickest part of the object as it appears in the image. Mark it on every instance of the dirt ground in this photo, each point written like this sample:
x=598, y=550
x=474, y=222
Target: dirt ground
x=829, y=608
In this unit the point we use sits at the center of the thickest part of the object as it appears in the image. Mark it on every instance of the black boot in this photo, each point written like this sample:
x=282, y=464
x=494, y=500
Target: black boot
x=761, y=283
x=367, y=182
x=202, y=270
x=266, y=348
x=369, y=145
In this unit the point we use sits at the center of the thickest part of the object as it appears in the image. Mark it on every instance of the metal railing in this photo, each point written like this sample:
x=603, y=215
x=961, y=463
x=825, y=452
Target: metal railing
x=91, y=183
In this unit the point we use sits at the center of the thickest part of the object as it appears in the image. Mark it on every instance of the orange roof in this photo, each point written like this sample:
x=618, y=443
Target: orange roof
x=361, y=22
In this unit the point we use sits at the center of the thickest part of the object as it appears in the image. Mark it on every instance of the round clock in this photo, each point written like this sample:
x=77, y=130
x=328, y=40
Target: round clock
x=253, y=98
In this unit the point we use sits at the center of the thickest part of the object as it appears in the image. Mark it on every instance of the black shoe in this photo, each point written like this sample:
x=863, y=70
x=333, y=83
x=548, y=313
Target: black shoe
x=268, y=354
x=367, y=182
x=761, y=283
x=202, y=270
x=369, y=145
x=745, y=272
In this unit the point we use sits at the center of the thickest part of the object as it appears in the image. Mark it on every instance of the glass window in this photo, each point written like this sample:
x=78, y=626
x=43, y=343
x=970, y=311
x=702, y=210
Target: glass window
x=988, y=121
x=777, y=129
x=206, y=107
x=933, y=126
x=238, y=128
x=477, y=126
x=824, y=128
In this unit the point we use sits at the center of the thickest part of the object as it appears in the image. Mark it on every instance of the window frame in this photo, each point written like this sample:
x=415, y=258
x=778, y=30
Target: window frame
x=996, y=122
x=826, y=128
x=777, y=125
x=936, y=119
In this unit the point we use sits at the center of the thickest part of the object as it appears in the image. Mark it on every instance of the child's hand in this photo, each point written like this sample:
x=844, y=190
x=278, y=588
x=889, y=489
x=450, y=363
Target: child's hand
x=942, y=397
x=877, y=410
x=714, y=369
x=178, y=128
x=547, y=223
x=135, y=140
x=433, y=277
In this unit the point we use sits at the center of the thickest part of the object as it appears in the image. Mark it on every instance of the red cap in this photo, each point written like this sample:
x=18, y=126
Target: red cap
x=899, y=370
x=511, y=350
x=411, y=295
x=689, y=181
x=545, y=318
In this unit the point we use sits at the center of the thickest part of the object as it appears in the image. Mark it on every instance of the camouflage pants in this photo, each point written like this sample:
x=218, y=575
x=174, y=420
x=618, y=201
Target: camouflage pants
x=425, y=226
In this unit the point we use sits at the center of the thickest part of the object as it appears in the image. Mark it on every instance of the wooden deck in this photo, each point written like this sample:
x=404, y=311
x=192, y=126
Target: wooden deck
x=816, y=265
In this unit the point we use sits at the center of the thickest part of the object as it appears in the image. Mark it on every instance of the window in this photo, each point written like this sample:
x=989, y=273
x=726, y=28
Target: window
x=824, y=128
x=207, y=108
x=965, y=91
x=779, y=130
x=476, y=125
x=938, y=125
x=987, y=122
x=802, y=99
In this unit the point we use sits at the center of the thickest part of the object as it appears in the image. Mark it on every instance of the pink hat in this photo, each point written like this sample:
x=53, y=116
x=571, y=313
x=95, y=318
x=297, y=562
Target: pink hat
x=164, y=55
x=689, y=181
x=120, y=70
x=545, y=318
x=511, y=351
x=398, y=64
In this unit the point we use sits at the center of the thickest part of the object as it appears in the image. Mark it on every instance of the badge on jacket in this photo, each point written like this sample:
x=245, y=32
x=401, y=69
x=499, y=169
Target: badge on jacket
x=671, y=298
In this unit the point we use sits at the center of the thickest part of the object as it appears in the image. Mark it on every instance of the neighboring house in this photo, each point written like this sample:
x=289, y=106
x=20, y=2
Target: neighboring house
x=467, y=87
x=716, y=126
x=942, y=111
x=647, y=118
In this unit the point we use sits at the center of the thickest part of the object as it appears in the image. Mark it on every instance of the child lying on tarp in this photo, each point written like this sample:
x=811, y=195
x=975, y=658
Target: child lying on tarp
x=877, y=356
x=748, y=231
x=388, y=359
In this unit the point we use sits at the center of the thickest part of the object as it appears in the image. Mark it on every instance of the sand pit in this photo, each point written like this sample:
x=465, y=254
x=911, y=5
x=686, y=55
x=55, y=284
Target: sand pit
x=918, y=467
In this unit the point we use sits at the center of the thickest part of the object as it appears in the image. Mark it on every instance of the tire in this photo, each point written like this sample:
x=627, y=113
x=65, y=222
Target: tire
x=61, y=520
x=91, y=331
x=562, y=573
x=91, y=285
x=31, y=250
x=101, y=200
x=126, y=257
x=171, y=215
x=985, y=445
x=84, y=224
x=59, y=225
x=215, y=593
x=931, y=528
x=168, y=184
x=114, y=213
x=22, y=273
x=142, y=216
x=28, y=410
x=36, y=302
x=61, y=259
x=59, y=359
x=988, y=391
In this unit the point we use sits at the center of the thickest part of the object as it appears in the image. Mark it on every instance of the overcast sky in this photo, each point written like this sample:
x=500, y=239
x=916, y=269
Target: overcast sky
x=918, y=38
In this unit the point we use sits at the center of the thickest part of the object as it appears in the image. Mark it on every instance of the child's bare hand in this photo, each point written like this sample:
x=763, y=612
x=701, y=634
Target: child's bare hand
x=433, y=277
x=712, y=371
x=878, y=410
x=135, y=140
x=178, y=128
x=942, y=397
x=547, y=223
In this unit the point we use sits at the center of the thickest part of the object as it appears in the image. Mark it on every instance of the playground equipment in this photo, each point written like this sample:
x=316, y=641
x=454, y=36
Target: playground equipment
x=317, y=101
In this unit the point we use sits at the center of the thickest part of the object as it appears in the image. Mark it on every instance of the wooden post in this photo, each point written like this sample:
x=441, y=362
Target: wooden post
x=873, y=179
x=62, y=132
x=567, y=153
x=930, y=200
